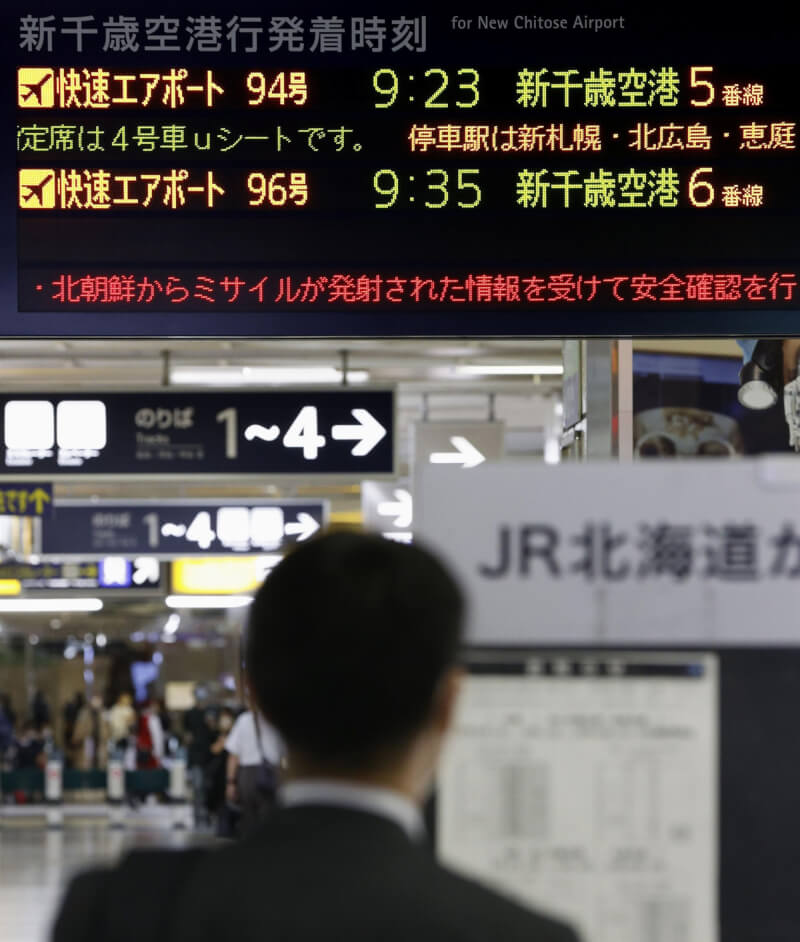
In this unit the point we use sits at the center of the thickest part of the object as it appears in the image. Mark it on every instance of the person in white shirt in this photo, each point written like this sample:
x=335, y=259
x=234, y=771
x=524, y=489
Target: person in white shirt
x=121, y=724
x=255, y=751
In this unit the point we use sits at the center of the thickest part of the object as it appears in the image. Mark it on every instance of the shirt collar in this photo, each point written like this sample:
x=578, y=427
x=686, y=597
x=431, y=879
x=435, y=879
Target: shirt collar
x=372, y=799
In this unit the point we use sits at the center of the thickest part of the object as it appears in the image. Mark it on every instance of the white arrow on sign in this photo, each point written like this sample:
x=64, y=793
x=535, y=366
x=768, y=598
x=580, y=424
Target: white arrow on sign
x=366, y=434
x=305, y=527
x=401, y=508
x=146, y=569
x=466, y=454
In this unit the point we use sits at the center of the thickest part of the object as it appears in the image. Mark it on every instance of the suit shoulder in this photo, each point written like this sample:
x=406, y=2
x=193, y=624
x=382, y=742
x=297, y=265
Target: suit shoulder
x=80, y=915
x=96, y=905
x=491, y=914
x=174, y=863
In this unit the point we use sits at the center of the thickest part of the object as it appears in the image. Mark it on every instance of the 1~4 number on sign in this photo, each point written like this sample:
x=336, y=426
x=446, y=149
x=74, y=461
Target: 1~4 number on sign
x=304, y=433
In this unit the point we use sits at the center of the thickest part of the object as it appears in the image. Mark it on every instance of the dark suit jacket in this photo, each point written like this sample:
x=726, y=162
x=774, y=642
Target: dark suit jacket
x=311, y=873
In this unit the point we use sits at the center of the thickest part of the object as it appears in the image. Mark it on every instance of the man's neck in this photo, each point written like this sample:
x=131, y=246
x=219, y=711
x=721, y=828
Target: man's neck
x=356, y=795
x=396, y=777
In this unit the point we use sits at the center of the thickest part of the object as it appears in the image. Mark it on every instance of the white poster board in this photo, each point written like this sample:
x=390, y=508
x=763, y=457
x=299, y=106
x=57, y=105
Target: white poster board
x=662, y=553
x=589, y=790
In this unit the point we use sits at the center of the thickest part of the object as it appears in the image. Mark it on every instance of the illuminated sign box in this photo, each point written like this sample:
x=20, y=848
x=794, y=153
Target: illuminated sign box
x=107, y=573
x=220, y=575
x=400, y=175
x=166, y=529
x=190, y=432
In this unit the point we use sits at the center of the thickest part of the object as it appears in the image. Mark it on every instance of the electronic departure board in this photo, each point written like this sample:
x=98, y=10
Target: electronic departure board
x=248, y=171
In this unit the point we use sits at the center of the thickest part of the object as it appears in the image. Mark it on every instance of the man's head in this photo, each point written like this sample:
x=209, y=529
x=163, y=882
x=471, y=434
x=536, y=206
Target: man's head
x=351, y=649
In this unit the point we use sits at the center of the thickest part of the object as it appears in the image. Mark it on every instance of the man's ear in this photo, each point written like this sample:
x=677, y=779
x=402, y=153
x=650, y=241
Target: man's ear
x=247, y=687
x=250, y=692
x=252, y=699
x=446, y=699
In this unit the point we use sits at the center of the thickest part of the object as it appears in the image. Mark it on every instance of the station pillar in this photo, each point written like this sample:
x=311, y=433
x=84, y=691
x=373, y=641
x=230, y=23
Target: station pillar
x=598, y=400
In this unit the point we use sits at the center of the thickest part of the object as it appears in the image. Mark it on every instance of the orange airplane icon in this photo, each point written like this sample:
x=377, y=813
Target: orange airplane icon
x=38, y=186
x=36, y=88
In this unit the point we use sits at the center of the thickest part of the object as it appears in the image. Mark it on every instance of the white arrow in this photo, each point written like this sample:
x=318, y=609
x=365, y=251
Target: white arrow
x=401, y=508
x=145, y=569
x=466, y=454
x=366, y=434
x=305, y=527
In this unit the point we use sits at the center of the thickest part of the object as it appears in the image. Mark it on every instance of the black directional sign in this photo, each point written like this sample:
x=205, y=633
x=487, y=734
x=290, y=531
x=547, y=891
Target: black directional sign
x=167, y=529
x=190, y=432
x=110, y=572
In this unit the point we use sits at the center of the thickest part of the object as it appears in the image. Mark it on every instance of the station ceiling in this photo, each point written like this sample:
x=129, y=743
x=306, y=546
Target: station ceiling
x=426, y=374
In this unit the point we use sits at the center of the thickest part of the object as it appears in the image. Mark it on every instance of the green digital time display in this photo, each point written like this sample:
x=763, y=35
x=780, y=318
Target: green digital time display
x=435, y=88
x=435, y=188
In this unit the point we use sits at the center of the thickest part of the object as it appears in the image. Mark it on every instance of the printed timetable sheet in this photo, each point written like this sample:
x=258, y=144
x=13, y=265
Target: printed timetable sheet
x=587, y=787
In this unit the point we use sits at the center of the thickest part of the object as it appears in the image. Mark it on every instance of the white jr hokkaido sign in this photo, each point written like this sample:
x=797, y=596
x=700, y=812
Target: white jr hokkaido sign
x=651, y=553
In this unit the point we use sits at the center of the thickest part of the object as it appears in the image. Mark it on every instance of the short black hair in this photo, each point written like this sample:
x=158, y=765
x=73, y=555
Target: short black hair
x=347, y=640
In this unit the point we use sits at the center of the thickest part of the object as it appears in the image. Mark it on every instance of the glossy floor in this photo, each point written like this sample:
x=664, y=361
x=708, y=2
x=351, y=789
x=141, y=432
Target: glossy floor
x=35, y=865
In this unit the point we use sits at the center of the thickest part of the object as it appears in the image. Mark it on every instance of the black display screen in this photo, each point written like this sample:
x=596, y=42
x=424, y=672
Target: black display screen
x=380, y=173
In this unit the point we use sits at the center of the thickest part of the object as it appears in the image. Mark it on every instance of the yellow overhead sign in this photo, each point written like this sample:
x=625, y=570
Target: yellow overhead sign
x=220, y=575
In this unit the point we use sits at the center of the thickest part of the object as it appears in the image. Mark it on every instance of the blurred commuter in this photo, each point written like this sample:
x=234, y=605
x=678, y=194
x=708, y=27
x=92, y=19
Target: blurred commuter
x=7, y=707
x=351, y=653
x=164, y=716
x=121, y=725
x=198, y=735
x=221, y=729
x=89, y=736
x=69, y=714
x=150, y=741
x=30, y=748
x=121, y=720
x=40, y=711
x=227, y=818
x=254, y=752
x=7, y=720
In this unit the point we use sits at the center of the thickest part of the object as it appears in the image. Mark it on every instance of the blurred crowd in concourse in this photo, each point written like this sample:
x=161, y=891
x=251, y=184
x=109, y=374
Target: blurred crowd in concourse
x=144, y=736
x=90, y=730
